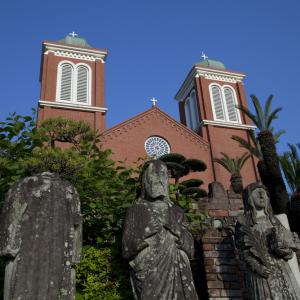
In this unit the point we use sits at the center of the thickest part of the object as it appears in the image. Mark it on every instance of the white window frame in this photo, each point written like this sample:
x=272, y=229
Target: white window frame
x=74, y=83
x=224, y=105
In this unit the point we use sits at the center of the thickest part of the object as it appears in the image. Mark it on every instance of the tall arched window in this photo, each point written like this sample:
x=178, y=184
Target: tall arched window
x=73, y=83
x=224, y=103
x=194, y=111
x=191, y=112
x=230, y=105
x=65, y=77
x=82, y=90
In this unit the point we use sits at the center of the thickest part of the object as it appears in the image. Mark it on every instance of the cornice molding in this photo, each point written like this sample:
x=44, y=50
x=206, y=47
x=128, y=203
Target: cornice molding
x=153, y=114
x=209, y=74
x=227, y=124
x=74, y=52
x=73, y=106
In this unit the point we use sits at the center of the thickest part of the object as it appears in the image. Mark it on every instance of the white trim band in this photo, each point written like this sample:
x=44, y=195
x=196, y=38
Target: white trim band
x=210, y=74
x=228, y=124
x=74, y=52
x=72, y=106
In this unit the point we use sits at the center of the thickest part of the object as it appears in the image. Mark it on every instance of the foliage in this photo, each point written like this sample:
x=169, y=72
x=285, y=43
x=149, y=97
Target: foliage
x=269, y=164
x=290, y=164
x=253, y=145
x=179, y=167
x=96, y=276
x=106, y=190
x=65, y=131
x=264, y=116
x=195, y=212
x=18, y=137
x=232, y=165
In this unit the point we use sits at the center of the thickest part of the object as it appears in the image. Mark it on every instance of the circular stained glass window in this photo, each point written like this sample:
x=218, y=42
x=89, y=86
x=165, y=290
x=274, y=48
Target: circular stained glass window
x=156, y=146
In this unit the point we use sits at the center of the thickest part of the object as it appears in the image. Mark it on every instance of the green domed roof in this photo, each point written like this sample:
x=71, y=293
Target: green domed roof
x=74, y=40
x=215, y=64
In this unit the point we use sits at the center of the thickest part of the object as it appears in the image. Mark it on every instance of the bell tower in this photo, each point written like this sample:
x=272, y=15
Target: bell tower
x=72, y=81
x=208, y=100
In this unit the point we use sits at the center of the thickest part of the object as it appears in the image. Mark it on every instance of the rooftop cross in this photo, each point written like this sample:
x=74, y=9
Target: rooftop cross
x=204, y=56
x=73, y=34
x=153, y=100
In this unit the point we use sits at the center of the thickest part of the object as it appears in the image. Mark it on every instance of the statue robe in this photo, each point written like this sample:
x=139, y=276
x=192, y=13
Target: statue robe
x=257, y=250
x=158, y=247
x=40, y=235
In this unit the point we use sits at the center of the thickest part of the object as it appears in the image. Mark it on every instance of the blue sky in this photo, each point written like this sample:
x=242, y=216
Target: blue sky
x=153, y=44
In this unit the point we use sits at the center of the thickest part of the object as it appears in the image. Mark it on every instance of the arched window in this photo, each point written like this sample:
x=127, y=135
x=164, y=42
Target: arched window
x=191, y=112
x=194, y=111
x=187, y=110
x=82, y=89
x=65, y=76
x=73, y=83
x=230, y=105
x=216, y=95
x=224, y=103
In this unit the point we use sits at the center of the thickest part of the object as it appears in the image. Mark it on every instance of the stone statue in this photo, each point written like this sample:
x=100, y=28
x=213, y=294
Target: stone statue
x=157, y=243
x=40, y=235
x=265, y=246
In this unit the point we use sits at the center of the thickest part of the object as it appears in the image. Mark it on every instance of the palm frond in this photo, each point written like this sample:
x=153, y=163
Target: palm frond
x=273, y=116
x=232, y=165
x=253, y=146
x=268, y=106
x=290, y=165
x=250, y=115
x=259, y=112
x=277, y=135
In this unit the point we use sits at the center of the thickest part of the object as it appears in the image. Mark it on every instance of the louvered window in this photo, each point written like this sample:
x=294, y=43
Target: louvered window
x=66, y=79
x=224, y=104
x=230, y=105
x=73, y=83
x=82, y=84
x=217, y=102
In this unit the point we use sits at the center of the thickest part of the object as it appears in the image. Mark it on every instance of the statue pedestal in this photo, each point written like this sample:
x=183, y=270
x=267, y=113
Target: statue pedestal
x=292, y=262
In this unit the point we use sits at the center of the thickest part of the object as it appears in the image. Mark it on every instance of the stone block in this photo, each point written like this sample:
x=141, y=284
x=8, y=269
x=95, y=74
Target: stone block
x=215, y=284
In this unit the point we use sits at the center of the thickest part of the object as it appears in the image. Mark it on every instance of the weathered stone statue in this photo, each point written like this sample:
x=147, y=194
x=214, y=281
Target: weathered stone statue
x=265, y=246
x=157, y=243
x=40, y=235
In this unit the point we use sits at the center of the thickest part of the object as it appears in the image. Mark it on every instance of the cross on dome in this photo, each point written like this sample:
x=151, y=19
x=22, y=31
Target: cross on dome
x=153, y=100
x=204, y=56
x=73, y=34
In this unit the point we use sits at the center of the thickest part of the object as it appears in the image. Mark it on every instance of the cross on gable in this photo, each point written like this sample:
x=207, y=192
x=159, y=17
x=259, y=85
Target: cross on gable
x=153, y=100
x=73, y=34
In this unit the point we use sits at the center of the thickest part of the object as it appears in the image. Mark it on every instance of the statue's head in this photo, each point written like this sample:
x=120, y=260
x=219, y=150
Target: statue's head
x=155, y=181
x=256, y=198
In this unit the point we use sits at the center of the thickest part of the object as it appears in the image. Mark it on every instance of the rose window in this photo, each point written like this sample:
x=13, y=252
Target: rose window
x=156, y=146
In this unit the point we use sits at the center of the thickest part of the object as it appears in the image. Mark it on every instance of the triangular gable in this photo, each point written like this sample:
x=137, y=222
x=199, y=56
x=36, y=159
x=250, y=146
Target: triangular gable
x=156, y=114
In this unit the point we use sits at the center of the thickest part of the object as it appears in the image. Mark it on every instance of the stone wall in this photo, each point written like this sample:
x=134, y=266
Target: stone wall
x=223, y=270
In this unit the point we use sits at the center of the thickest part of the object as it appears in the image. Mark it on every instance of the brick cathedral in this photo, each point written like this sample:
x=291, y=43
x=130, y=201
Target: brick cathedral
x=72, y=86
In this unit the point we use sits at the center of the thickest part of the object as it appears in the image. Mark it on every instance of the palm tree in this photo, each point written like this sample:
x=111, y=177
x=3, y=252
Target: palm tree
x=290, y=165
x=234, y=166
x=263, y=120
x=254, y=149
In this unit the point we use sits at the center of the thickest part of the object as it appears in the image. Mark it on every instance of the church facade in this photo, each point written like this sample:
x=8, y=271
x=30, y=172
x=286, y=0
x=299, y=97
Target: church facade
x=72, y=86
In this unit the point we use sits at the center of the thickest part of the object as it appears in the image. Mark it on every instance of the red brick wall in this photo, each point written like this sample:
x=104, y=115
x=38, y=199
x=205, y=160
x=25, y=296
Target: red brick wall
x=127, y=142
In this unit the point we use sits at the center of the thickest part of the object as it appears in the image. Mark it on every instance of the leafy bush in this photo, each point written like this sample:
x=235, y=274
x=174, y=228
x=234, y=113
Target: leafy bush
x=95, y=275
